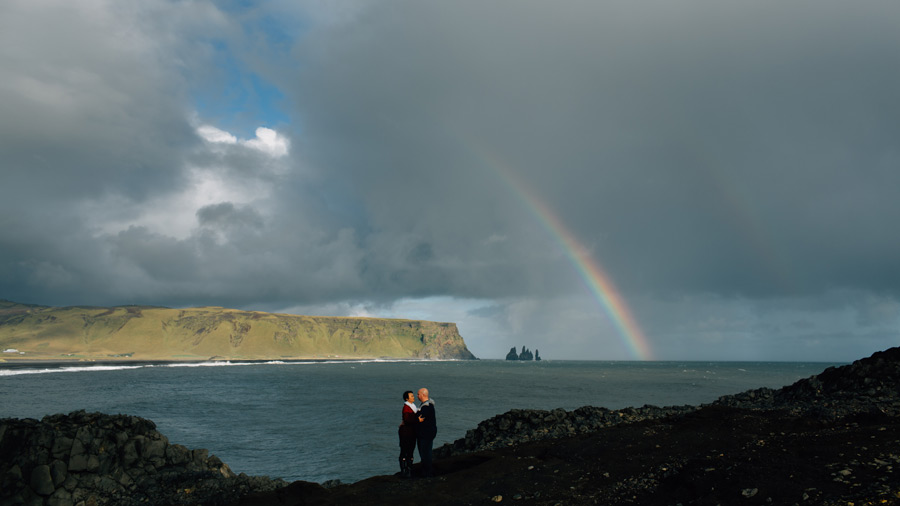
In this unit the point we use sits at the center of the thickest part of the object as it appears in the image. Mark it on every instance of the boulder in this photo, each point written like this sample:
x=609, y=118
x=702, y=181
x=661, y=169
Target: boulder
x=58, y=472
x=94, y=459
x=41, y=481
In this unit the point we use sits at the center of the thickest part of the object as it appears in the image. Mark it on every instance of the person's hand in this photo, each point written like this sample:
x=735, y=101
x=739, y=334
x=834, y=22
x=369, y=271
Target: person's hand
x=421, y=418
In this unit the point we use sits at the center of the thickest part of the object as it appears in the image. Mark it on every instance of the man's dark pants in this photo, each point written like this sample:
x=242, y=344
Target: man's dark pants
x=424, y=444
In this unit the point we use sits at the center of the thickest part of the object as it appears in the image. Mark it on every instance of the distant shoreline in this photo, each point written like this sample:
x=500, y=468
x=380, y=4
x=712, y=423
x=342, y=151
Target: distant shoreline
x=13, y=359
x=155, y=361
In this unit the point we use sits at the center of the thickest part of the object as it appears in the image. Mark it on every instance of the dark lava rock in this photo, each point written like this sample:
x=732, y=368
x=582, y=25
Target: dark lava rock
x=92, y=459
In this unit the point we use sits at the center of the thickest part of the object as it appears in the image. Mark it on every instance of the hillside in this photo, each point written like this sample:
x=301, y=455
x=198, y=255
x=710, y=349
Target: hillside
x=159, y=333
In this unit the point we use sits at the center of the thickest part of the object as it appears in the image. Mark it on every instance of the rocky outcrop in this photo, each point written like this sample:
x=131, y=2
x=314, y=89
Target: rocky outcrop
x=525, y=425
x=156, y=333
x=867, y=386
x=525, y=354
x=93, y=459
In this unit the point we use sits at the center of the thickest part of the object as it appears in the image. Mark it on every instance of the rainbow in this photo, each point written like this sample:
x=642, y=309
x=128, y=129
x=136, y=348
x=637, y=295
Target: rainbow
x=598, y=282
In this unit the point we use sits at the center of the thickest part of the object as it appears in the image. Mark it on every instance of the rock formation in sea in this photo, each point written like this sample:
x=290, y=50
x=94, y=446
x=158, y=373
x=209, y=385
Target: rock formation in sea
x=537, y=356
x=525, y=354
x=156, y=333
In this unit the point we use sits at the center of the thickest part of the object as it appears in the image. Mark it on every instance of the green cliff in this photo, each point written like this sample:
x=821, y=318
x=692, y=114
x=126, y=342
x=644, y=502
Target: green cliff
x=158, y=333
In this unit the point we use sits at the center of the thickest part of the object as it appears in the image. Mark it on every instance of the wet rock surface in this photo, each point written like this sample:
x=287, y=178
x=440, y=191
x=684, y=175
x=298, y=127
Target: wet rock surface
x=93, y=459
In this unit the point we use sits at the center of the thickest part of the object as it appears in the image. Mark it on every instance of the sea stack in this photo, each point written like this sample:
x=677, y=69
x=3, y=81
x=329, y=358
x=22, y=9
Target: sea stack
x=525, y=354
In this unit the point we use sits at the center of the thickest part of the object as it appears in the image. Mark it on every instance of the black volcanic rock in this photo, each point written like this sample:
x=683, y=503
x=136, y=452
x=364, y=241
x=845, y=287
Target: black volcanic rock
x=92, y=458
x=526, y=354
x=870, y=385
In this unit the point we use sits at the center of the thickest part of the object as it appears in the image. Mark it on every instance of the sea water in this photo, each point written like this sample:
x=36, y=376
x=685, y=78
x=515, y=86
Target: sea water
x=318, y=421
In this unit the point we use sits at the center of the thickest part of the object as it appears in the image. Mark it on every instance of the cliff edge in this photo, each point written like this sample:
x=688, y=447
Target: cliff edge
x=159, y=333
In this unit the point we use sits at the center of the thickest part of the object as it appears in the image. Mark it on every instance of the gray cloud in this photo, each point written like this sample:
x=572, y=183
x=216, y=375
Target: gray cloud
x=751, y=144
x=227, y=216
x=732, y=167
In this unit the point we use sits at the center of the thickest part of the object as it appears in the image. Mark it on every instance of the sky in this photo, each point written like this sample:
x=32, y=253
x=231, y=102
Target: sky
x=603, y=180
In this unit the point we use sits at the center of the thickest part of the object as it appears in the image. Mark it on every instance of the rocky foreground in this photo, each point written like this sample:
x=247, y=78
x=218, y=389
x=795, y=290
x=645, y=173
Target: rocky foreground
x=92, y=458
x=830, y=439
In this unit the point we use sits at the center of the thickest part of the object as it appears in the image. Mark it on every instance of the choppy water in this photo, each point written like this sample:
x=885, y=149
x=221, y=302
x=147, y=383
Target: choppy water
x=321, y=421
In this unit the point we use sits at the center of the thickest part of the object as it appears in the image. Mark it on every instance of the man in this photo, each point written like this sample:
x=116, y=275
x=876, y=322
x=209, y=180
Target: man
x=426, y=430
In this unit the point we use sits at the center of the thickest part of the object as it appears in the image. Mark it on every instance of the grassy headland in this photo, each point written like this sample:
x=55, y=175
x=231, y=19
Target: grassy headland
x=29, y=332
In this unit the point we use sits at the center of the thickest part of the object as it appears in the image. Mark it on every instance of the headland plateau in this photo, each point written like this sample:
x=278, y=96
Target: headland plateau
x=149, y=333
x=831, y=439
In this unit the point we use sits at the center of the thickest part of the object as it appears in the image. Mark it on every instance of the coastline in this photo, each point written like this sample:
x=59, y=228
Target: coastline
x=199, y=333
x=827, y=439
x=164, y=361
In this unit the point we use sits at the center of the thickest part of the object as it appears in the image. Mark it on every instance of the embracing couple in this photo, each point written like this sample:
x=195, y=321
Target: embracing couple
x=419, y=427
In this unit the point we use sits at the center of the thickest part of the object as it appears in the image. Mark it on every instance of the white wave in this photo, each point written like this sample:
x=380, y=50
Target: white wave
x=222, y=363
x=18, y=372
x=217, y=363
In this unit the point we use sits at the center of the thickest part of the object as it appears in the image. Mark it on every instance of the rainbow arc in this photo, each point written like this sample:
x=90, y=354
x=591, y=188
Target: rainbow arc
x=589, y=269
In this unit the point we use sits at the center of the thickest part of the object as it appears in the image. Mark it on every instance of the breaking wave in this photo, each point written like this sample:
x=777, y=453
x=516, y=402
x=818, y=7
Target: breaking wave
x=18, y=370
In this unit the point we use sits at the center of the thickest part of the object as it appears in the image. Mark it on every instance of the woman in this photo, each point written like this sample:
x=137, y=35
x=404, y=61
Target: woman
x=407, y=434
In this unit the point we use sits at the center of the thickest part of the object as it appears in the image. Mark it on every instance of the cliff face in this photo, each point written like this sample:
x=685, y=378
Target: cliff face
x=156, y=333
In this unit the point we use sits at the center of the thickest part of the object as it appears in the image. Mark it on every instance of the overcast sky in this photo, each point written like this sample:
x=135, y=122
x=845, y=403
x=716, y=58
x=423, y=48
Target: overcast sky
x=733, y=168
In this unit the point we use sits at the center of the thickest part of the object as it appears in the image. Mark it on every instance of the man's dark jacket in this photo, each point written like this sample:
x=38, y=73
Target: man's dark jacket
x=428, y=427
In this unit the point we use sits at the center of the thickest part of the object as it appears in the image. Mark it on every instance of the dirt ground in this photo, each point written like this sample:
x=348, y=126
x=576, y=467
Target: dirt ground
x=717, y=455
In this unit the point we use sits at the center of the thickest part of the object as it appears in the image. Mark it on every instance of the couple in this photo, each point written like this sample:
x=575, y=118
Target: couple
x=419, y=426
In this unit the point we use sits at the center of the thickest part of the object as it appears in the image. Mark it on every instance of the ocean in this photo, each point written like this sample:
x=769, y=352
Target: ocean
x=319, y=421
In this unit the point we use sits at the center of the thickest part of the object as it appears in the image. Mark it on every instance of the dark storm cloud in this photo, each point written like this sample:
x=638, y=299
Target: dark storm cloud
x=740, y=149
x=87, y=109
x=226, y=215
x=732, y=166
